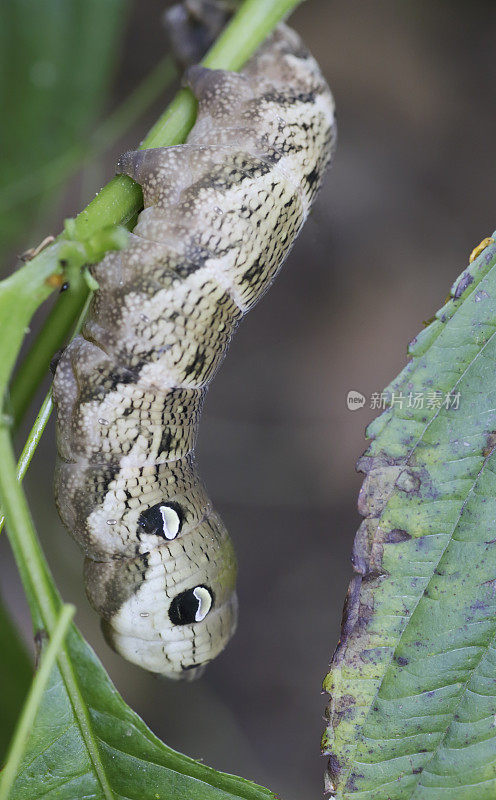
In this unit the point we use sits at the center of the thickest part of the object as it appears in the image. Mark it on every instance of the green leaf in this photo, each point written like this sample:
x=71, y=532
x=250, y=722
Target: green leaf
x=15, y=673
x=135, y=764
x=413, y=680
x=25, y=724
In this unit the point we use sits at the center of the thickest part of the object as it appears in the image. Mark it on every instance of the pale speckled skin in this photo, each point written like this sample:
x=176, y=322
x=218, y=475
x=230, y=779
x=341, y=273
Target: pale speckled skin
x=221, y=213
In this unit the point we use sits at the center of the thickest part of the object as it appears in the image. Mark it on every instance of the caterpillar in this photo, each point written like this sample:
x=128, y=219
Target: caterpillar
x=220, y=214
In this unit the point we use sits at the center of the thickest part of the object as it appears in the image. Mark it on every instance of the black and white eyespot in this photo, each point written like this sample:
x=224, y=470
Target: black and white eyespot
x=191, y=605
x=162, y=519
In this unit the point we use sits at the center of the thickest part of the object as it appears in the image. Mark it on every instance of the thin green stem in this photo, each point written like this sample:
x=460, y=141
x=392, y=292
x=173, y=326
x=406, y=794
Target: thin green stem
x=32, y=442
x=35, y=366
x=32, y=703
x=120, y=199
x=43, y=598
x=34, y=437
x=35, y=575
x=41, y=420
x=55, y=331
x=84, y=722
x=247, y=29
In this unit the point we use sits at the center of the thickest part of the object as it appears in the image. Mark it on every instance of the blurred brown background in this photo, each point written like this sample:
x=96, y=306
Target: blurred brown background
x=408, y=196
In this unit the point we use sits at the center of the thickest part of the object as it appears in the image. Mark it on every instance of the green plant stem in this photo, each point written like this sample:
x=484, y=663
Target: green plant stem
x=121, y=199
x=248, y=28
x=31, y=563
x=32, y=441
x=43, y=598
x=34, y=437
x=41, y=420
x=55, y=331
x=33, y=700
x=24, y=291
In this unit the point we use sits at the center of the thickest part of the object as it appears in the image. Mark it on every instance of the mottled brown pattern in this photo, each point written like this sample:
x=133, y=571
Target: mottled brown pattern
x=221, y=213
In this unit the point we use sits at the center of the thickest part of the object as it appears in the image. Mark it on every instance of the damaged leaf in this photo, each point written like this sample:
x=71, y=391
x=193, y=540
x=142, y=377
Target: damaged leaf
x=412, y=684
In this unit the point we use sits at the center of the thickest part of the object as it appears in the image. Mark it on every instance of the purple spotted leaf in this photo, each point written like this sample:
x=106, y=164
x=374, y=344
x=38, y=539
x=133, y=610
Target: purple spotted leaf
x=412, y=683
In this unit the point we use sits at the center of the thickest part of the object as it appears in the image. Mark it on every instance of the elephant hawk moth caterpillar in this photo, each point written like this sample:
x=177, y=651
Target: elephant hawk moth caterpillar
x=220, y=214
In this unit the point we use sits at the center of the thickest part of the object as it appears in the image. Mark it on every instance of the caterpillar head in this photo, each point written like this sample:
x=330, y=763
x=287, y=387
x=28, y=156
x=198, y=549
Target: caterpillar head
x=179, y=608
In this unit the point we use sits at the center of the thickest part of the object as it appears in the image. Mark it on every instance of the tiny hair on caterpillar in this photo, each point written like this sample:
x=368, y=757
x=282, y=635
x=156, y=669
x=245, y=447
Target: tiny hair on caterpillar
x=221, y=213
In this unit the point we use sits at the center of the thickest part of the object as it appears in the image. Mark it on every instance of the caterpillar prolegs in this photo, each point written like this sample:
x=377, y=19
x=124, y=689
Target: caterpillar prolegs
x=221, y=213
